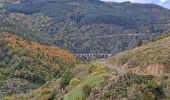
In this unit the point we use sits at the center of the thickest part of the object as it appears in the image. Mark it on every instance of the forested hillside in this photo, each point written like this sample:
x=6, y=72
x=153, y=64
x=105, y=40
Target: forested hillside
x=141, y=73
x=35, y=66
x=85, y=26
x=25, y=66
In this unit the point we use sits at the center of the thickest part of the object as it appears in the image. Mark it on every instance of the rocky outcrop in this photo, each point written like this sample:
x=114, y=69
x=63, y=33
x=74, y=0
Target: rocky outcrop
x=152, y=58
x=154, y=70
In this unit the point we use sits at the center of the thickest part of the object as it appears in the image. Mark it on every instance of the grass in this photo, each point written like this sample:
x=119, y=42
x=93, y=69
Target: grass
x=44, y=92
x=52, y=88
x=91, y=80
x=151, y=54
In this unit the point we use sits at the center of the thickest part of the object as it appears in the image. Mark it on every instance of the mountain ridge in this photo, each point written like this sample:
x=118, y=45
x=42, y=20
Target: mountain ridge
x=85, y=19
x=152, y=58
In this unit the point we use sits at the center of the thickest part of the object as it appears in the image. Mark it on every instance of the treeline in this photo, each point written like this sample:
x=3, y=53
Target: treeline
x=55, y=22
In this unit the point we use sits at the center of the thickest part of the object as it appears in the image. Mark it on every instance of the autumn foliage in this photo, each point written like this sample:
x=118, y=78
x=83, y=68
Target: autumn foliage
x=49, y=54
x=31, y=61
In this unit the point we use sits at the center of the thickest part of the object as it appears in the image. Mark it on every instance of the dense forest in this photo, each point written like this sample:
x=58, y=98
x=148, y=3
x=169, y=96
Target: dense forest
x=85, y=26
x=27, y=65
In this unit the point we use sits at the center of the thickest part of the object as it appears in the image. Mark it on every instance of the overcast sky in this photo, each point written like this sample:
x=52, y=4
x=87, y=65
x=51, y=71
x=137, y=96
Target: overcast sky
x=165, y=3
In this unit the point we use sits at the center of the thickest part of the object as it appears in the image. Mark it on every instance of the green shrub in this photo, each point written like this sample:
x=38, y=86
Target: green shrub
x=74, y=82
x=30, y=76
x=52, y=95
x=65, y=78
x=47, y=94
x=91, y=68
x=95, y=67
x=106, y=94
x=86, y=89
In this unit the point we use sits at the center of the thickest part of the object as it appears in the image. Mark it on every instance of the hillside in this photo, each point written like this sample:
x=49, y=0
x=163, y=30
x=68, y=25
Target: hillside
x=152, y=58
x=26, y=65
x=94, y=82
x=34, y=67
x=85, y=26
x=146, y=75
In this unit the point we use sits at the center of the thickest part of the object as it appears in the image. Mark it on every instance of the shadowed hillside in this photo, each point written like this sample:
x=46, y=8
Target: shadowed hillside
x=86, y=26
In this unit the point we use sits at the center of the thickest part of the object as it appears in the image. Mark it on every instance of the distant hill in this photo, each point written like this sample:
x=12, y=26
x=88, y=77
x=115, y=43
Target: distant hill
x=85, y=26
x=27, y=65
x=152, y=58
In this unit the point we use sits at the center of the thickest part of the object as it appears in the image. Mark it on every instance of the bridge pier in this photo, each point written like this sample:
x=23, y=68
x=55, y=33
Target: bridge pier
x=98, y=56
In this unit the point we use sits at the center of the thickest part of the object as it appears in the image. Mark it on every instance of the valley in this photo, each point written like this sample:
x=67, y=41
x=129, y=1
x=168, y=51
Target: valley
x=107, y=79
x=85, y=26
x=84, y=50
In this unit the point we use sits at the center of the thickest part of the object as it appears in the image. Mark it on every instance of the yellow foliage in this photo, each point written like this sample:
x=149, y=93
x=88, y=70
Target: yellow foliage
x=49, y=54
x=100, y=67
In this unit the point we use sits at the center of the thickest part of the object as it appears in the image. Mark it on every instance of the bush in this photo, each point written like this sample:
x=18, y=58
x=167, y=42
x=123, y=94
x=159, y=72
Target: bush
x=100, y=67
x=139, y=43
x=30, y=76
x=74, y=82
x=52, y=95
x=91, y=68
x=86, y=89
x=106, y=94
x=143, y=42
x=65, y=78
x=94, y=67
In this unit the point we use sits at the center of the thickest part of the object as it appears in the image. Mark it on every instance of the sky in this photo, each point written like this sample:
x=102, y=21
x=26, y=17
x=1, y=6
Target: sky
x=164, y=3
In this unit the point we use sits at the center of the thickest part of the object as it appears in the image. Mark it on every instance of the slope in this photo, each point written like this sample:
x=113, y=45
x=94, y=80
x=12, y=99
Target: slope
x=152, y=58
x=91, y=82
x=88, y=26
x=27, y=65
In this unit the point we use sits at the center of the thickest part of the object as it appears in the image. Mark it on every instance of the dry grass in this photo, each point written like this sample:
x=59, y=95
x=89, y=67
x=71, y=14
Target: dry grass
x=157, y=52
